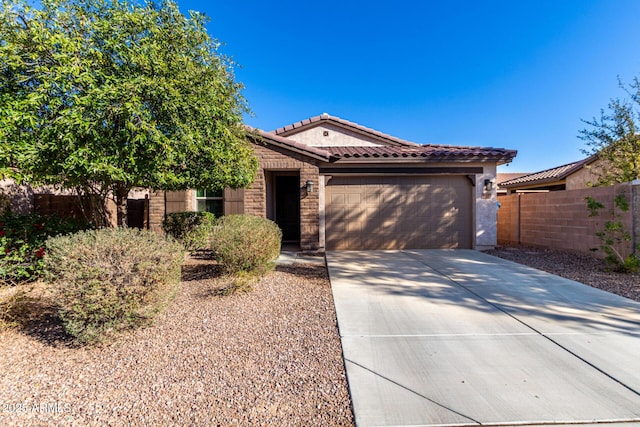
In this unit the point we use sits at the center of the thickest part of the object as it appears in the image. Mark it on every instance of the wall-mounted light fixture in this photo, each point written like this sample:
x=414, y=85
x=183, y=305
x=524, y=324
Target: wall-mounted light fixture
x=488, y=185
x=309, y=186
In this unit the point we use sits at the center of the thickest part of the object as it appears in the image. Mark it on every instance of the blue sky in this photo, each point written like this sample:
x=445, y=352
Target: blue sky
x=512, y=74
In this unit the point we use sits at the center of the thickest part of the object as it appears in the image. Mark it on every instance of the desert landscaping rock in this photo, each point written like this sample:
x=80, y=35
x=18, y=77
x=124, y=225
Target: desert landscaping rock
x=268, y=357
x=582, y=268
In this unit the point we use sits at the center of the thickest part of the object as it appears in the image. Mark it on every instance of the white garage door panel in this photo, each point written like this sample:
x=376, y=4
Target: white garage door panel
x=398, y=212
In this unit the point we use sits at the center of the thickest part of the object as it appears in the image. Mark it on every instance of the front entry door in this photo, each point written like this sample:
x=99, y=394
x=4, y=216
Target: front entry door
x=288, y=207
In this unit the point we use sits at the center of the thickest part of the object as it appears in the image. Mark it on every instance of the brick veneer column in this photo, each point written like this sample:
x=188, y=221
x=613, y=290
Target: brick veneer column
x=156, y=210
x=276, y=159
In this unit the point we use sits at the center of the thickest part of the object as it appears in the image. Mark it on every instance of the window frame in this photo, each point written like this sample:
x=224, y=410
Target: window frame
x=216, y=196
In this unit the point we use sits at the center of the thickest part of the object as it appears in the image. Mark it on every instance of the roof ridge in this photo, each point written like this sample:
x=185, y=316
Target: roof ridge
x=327, y=117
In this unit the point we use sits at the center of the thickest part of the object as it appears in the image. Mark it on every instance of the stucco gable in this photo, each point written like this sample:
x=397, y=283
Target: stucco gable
x=261, y=137
x=331, y=131
x=331, y=138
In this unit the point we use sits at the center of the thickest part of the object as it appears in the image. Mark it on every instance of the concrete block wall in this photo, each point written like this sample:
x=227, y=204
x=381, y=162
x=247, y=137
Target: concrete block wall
x=509, y=220
x=561, y=220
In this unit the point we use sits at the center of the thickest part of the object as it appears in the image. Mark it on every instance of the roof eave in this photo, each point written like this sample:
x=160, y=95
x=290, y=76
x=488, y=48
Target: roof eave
x=259, y=136
x=536, y=183
x=420, y=159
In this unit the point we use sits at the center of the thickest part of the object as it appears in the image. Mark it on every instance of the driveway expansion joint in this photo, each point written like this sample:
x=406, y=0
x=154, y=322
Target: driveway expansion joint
x=506, y=345
x=546, y=336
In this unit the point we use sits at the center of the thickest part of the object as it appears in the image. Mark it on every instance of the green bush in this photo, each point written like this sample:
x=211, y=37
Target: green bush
x=246, y=243
x=111, y=279
x=22, y=239
x=192, y=229
x=613, y=235
x=631, y=264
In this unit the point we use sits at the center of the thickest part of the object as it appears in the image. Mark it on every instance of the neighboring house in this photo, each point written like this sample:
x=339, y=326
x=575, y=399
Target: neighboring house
x=571, y=176
x=506, y=176
x=47, y=200
x=333, y=184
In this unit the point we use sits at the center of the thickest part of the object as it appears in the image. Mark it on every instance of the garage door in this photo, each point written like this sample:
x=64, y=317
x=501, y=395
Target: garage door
x=398, y=212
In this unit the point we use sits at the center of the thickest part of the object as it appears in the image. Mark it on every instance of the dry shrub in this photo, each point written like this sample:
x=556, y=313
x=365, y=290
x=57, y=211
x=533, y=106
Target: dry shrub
x=192, y=229
x=23, y=305
x=111, y=279
x=246, y=243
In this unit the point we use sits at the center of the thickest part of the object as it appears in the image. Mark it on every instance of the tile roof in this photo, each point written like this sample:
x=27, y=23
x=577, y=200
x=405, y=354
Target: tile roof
x=289, y=144
x=324, y=117
x=549, y=175
x=507, y=176
x=436, y=152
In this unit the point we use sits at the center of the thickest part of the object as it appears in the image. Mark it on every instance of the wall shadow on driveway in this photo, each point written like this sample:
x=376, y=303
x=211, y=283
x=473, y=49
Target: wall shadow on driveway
x=477, y=282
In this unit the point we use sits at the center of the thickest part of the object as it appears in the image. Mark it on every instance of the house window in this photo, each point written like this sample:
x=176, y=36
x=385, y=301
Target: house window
x=210, y=201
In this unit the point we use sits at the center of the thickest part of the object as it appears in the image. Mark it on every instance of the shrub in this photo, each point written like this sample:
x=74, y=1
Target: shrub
x=246, y=243
x=614, y=234
x=111, y=279
x=22, y=239
x=192, y=229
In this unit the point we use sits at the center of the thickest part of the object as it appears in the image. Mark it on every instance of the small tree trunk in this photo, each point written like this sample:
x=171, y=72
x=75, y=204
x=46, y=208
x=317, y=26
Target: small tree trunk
x=122, y=191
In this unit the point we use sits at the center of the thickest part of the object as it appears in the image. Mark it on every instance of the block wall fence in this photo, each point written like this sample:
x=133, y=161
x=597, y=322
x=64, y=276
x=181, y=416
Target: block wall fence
x=561, y=220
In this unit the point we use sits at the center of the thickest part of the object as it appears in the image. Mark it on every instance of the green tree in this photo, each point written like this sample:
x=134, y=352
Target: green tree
x=108, y=95
x=614, y=137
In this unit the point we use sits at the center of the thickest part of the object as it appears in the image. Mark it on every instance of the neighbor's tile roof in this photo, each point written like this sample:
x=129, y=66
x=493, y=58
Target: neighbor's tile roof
x=440, y=152
x=508, y=176
x=324, y=117
x=548, y=175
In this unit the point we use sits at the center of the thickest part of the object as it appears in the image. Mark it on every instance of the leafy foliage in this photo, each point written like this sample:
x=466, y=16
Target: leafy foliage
x=614, y=234
x=111, y=279
x=192, y=229
x=615, y=137
x=107, y=95
x=246, y=243
x=22, y=241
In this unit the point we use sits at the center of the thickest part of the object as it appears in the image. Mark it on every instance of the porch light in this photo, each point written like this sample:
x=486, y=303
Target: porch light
x=309, y=185
x=488, y=185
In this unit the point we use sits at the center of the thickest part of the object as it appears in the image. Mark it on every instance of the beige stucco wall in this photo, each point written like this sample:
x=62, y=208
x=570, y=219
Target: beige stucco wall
x=585, y=177
x=486, y=209
x=335, y=137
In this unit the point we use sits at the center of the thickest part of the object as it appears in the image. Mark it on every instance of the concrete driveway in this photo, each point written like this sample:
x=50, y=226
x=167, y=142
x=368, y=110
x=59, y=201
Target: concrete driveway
x=436, y=337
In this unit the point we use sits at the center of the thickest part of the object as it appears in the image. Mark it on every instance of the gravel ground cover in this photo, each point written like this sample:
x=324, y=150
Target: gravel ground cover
x=268, y=357
x=582, y=268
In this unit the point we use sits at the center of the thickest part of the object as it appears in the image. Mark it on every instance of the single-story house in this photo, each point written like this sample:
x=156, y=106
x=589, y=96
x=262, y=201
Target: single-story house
x=333, y=184
x=571, y=176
